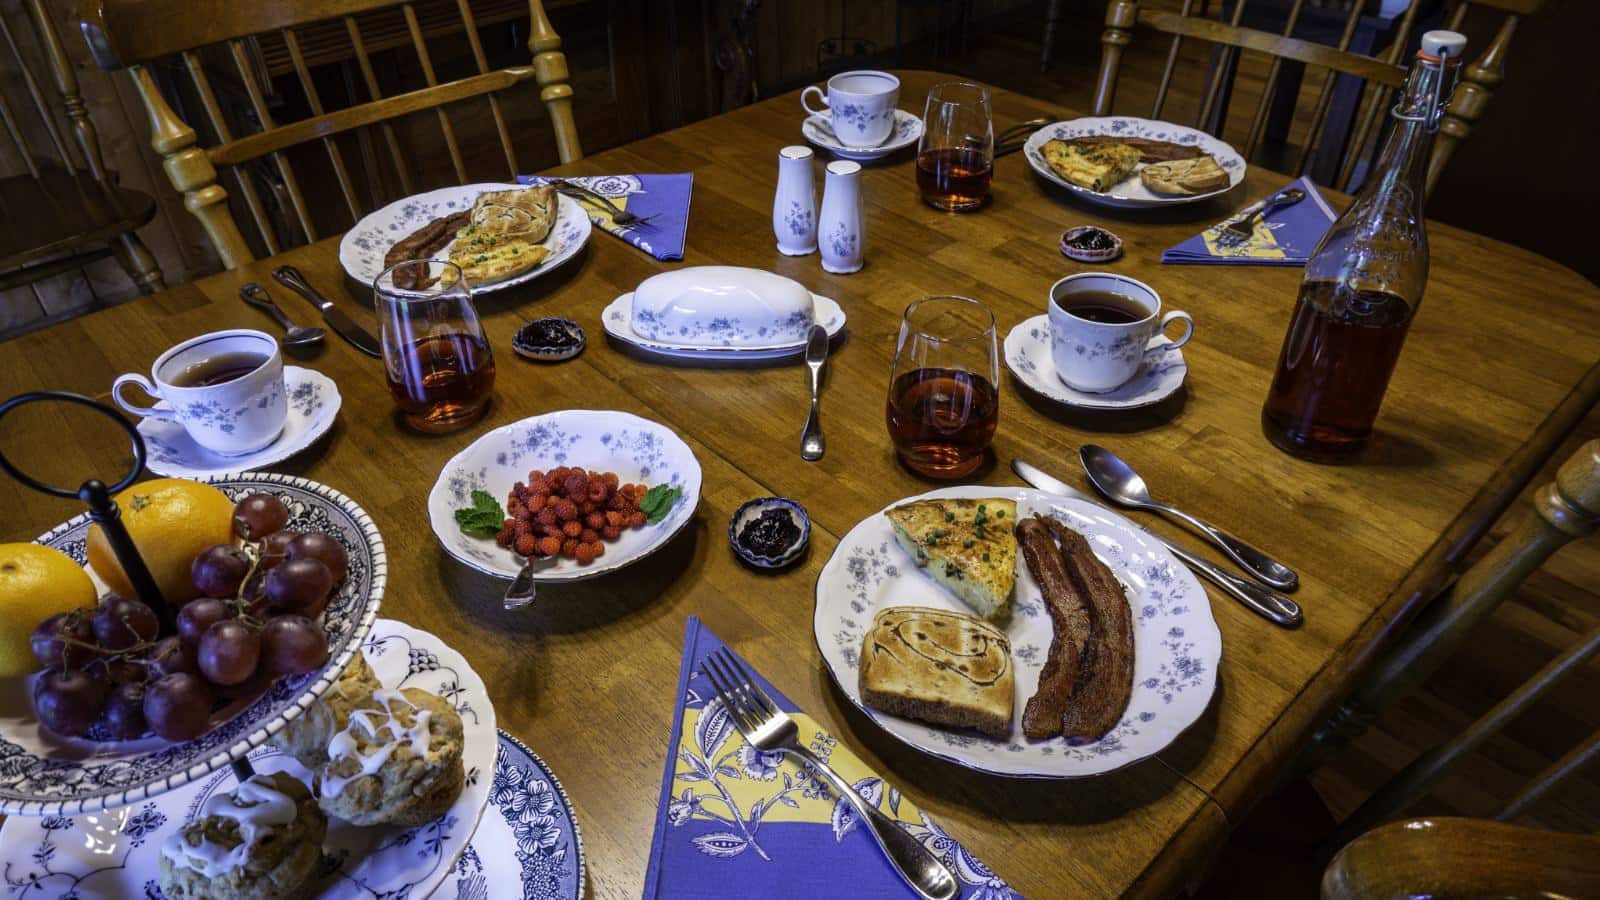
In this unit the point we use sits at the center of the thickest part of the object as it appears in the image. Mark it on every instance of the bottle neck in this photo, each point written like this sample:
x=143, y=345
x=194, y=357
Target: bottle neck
x=1416, y=115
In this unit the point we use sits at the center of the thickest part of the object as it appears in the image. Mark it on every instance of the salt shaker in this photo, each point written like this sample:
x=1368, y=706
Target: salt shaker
x=841, y=229
x=794, y=206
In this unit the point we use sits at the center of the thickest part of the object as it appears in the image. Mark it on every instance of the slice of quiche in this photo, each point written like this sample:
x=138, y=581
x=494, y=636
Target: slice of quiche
x=1098, y=168
x=964, y=544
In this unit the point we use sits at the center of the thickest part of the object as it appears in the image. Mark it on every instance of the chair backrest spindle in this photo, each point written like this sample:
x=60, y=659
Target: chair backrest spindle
x=219, y=125
x=433, y=81
x=314, y=102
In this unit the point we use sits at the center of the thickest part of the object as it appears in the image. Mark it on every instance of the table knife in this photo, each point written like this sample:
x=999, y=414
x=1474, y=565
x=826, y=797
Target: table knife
x=337, y=319
x=1272, y=605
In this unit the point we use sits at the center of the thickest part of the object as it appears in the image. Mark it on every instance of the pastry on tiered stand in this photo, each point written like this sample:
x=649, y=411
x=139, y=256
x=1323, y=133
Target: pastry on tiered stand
x=306, y=737
x=397, y=762
x=260, y=841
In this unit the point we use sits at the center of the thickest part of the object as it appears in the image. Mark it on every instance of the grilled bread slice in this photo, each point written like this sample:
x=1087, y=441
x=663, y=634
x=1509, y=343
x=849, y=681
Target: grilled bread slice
x=939, y=666
x=1098, y=167
x=1184, y=176
x=964, y=544
x=526, y=213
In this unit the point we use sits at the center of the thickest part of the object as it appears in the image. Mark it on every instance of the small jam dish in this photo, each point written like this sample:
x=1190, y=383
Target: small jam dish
x=769, y=532
x=549, y=340
x=1090, y=243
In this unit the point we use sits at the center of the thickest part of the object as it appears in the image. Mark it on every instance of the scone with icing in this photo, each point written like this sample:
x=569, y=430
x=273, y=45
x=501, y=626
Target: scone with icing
x=307, y=735
x=260, y=841
x=397, y=762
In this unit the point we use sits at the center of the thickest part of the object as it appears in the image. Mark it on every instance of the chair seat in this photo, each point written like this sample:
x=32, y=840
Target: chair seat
x=61, y=211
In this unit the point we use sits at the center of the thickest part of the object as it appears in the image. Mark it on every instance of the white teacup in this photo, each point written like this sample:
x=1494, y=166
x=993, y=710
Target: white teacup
x=1103, y=327
x=860, y=105
x=238, y=415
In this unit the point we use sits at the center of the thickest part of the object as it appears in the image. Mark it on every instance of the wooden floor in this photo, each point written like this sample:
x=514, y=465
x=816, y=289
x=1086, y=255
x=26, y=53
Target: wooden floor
x=1553, y=607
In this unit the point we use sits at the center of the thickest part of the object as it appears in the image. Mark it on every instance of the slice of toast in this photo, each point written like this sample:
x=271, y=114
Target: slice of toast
x=1184, y=176
x=965, y=545
x=943, y=667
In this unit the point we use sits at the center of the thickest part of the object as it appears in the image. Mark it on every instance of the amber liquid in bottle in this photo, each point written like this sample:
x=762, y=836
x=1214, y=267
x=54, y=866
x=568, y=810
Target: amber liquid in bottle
x=1341, y=348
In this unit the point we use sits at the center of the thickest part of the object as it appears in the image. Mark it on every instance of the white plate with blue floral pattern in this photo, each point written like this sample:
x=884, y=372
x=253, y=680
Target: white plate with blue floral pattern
x=42, y=774
x=362, y=249
x=1130, y=193
x=907, y=129
x=638, y=450
x=1028, y=356
x=618, y=321
x=528, y=836
x=1177, y=646
x=117, y=853
x=313, y=405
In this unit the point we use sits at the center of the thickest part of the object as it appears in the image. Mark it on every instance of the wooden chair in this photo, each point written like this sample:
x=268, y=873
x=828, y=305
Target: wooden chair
x=1567, y=508
x=135, y=34
x=66, y=210
x=1382, y=75
x=1464, y=858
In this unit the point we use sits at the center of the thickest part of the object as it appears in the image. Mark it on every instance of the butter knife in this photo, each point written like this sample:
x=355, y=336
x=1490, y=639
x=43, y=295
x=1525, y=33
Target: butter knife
x=1270, y=604
x=337, y=319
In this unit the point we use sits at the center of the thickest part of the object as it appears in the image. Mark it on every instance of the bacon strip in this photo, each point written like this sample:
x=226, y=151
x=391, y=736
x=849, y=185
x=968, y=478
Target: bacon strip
x=1071, y=628
x=1103, y=691
x=1150, y=150
x=422, y=244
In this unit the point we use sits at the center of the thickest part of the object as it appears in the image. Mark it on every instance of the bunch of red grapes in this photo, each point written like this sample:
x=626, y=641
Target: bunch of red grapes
x=253, y=620
x=568, y=512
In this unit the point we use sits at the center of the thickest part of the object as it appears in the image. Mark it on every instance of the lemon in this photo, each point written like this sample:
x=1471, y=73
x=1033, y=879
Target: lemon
x=170, y=520
x=36, y=582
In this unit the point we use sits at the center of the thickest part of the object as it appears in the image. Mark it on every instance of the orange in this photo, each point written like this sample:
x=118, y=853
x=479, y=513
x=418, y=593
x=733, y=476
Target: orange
x=36, y=582
x=171, y=520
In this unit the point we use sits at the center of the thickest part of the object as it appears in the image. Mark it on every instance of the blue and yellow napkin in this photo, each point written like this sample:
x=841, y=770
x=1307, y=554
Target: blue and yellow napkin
x=737, y=822
x=1284, y=237
x=663, y=199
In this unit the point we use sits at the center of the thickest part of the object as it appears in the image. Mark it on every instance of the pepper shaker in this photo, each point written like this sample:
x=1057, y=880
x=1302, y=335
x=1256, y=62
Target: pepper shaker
x=794, y=206
x=841, y=229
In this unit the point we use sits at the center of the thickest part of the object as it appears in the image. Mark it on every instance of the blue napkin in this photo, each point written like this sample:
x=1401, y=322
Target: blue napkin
x=664, y=199
x=736, y=822
x=1284, y=237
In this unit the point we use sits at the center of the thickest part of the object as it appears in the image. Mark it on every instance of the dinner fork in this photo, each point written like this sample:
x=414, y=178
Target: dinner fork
x=619, y=216
x=1243, y=226
x=767, y=728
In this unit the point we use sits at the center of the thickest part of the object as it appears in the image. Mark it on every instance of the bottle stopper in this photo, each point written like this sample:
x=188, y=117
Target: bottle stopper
x=1440, y=43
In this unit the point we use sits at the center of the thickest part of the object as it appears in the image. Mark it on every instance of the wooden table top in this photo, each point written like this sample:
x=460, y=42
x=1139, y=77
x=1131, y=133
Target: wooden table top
x=587, y=677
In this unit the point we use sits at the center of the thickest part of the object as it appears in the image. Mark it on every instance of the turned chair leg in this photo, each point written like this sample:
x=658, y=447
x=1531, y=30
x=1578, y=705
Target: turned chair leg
x=1052, y=18
x=140, y=264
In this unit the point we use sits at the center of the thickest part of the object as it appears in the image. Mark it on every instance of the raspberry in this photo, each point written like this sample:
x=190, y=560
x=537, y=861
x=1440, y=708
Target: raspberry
x=526, y=545
x=585, y=554
x=552, y=529
x=576, y=485
x=614, y=518
x=535, y=503
x=586, y=507
x=598, y=492
x=636, y=520
x=514, y=507
x=595, y=520
x=611, y=480
x=521, y=527
x=566, y=510
x=611, y=532
x=569, y=547
x=538, y=486
x=549, y=546
x=599, y=549
x=589, y=536
x=535, y=475
x=505, y=535
x=572, y=529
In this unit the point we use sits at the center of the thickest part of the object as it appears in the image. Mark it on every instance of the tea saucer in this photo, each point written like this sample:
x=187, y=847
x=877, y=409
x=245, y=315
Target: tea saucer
x=1028, y=357
x=313, y=405
x=907, y=129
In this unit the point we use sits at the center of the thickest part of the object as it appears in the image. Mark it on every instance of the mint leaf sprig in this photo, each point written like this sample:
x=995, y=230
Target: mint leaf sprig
x=483, y=518
x=658, y=501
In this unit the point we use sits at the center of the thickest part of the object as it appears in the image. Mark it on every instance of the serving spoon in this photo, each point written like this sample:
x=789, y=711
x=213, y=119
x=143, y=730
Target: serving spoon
x=1119, y=483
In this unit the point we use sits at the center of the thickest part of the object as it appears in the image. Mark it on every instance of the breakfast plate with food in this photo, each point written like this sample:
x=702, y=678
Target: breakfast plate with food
x=582, y=492
x=272, y=583
x=1130, y=162
x=1015, y=632
x=498, y=234
x=374, y=792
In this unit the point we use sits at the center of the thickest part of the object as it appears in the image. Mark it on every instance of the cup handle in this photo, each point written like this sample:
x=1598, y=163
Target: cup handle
x=149, y=412
x=824, y=111
x=1176, y=315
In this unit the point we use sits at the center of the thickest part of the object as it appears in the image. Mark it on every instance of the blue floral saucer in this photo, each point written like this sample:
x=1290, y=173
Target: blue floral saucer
x=313, y=405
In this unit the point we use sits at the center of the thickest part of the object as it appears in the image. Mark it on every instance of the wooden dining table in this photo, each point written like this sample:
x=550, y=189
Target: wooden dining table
x=1500, y=361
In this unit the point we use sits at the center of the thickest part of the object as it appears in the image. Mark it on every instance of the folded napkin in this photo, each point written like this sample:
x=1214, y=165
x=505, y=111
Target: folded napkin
x=1284, y=237
x=664, y=199
x=736, y=822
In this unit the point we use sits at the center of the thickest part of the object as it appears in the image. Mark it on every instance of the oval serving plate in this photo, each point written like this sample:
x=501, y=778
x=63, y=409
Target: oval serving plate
x=363, y=247
x=42, y=774
x=117, y=853
x=1130, y=193
x=1177, y=646
x=637, y=449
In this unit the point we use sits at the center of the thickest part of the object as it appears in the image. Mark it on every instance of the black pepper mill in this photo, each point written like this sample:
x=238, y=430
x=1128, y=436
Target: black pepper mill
x=103, y=511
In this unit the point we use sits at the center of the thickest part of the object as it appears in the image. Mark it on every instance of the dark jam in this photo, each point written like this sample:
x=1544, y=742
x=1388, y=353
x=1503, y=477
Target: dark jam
x=547, y=334
x=1092, y=239
x=769, y=534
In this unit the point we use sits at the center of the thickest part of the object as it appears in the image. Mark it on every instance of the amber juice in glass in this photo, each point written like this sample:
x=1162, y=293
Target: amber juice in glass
x=437, y=361
x=944, y=401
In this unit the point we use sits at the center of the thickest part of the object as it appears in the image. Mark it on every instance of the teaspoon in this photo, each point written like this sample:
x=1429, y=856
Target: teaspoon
x=1120, y=484
x=294, y=335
